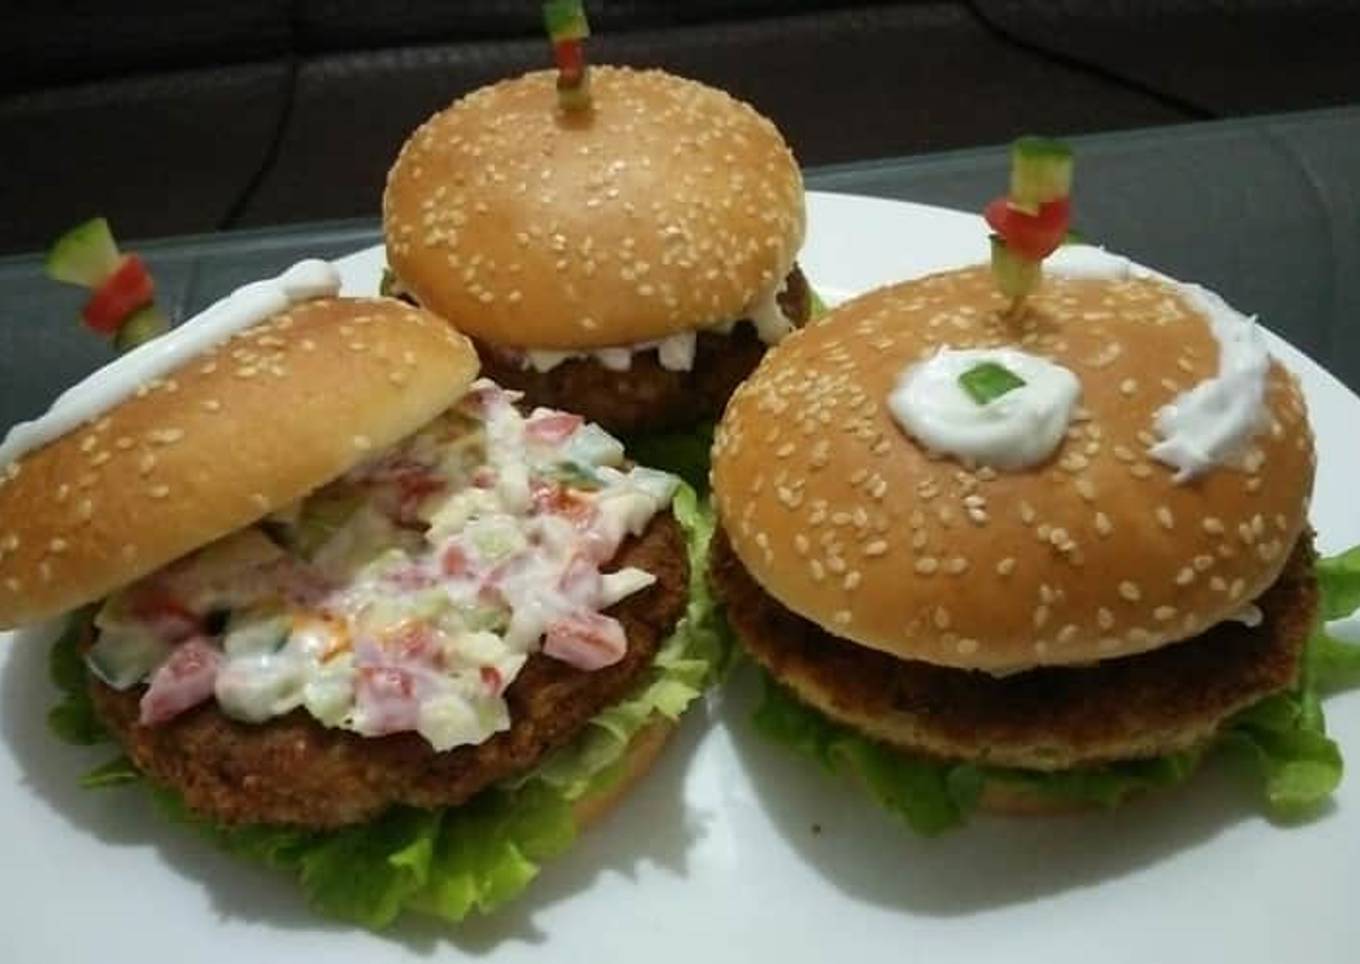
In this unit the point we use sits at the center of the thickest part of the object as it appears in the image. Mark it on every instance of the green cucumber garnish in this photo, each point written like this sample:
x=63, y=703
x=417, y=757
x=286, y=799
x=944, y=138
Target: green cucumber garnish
x=987, y=381
x=1015, y=276
x=1041, y=171
x=145, y=324
x=84, y=255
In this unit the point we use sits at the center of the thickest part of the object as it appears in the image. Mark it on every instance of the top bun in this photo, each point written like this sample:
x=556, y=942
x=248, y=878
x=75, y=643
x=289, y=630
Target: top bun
x=1095, y=553
x=668, y=206
x=245, y=429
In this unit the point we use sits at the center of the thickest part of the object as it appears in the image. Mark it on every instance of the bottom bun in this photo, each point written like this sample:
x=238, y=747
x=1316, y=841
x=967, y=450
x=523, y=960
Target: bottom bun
x=638, y=758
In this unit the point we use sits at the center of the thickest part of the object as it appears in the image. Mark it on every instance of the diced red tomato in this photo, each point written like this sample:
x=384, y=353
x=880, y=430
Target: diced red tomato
x=570, y=56
x=119, y=295
x=1032, y=236
x=183, y=681
x=413, y=642
x=580, y=581
x=550, y=428
x=163, y=614
x=553, y=499
x=492, y=679
x=454, y=562
x=385, y=696
x=585, y=640
x=484, y=477
x=409, y=578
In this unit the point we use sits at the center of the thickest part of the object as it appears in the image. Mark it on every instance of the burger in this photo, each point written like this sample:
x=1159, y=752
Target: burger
x=348, y=607
x=1028, y=559
x=629, y=262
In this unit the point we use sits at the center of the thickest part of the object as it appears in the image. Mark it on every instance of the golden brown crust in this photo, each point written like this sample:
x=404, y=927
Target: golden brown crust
x=294, y=771
x=244, y=429
x=1171, y=699
x=647, y=397
x=1092, y=555
x=669, y=206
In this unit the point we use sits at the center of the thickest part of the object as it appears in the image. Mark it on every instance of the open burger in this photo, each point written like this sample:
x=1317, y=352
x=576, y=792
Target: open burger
x=630, y=262
x=1034, y=559
x=351, y=609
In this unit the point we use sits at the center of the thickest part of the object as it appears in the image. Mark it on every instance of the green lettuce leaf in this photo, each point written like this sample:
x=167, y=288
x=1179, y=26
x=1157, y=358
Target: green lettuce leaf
x=460, y=860
x=1282, y=738
x=683, y=453
x=1339, y=584
x=73, y=720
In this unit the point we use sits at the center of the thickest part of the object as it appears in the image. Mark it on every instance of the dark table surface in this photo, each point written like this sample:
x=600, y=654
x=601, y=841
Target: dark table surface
x=1264, y=210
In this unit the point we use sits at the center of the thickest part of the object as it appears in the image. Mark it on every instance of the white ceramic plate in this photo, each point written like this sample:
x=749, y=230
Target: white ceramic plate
x=734, y=850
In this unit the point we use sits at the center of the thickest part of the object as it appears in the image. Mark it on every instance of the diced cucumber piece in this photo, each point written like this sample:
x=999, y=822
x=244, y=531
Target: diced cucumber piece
x=84, y=255
x=565, y=20
x=322, y=516
x=592, y=445
x=255, y=633
x=124, y=657
x=1041, y=171
x=988, y=381
x=144, y=325
x=1015, y=276
x=574, y=475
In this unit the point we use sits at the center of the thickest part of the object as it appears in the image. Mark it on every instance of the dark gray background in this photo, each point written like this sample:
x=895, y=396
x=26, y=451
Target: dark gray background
x=1265, y=210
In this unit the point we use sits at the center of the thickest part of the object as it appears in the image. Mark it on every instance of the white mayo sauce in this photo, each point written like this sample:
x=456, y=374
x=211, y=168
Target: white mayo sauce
x=1014, y=431
x=106, y=387
x=1210, y=423
x=675, y=352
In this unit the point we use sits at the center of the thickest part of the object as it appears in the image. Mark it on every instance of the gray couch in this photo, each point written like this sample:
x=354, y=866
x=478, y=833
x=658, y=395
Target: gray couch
x=172, y=117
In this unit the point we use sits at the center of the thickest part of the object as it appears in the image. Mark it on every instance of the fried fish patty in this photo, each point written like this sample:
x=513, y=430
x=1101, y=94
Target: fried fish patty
x=647, y=397
x=294, y=771
x=1169, y=699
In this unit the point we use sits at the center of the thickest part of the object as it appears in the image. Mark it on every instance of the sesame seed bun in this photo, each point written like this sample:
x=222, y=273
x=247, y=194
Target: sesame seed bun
x=1096, y=553
x=245, y=429
x=642, y=751
x=669, y=206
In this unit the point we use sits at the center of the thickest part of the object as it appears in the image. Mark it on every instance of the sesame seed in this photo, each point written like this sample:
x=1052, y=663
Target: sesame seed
x=1006, y=566
x=159, y=491
x=1165, y=517
x=941, y=617
x=1185, y=576
x=957, y=565
x=1130, y=591
x=57, y=545
x=1103, y=525
x=1212, y=525
x=927, y=565
x=1040, y=616
x=876, y=548
x=852, y=579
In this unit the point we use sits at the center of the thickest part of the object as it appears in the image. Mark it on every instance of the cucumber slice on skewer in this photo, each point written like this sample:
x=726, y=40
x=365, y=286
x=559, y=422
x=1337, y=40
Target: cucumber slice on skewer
x=1015, y=276
x=84, y=255
x=144, y=325
x=1041, y=171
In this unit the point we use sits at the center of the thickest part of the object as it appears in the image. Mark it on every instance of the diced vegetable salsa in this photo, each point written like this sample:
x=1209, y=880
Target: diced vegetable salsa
x=407, y=595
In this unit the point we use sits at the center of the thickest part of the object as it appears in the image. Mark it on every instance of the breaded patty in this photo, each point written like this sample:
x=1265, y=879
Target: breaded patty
x=647, y=397
x=294, y=771
x=1169, y=699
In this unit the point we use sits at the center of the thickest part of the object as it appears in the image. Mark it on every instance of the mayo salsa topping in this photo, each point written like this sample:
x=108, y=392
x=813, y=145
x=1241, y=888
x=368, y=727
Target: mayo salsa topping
x=1018, y=428
x=406, y=595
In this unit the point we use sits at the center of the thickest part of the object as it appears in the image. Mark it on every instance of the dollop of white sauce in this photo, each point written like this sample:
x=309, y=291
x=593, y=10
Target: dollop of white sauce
x=675, y=352
x=106, y=387
x=1210, y=423
x=1014, y=431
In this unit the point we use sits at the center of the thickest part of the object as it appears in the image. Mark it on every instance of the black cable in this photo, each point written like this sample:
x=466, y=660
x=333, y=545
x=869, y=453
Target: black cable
x=238, y=207
x=1094, y=69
